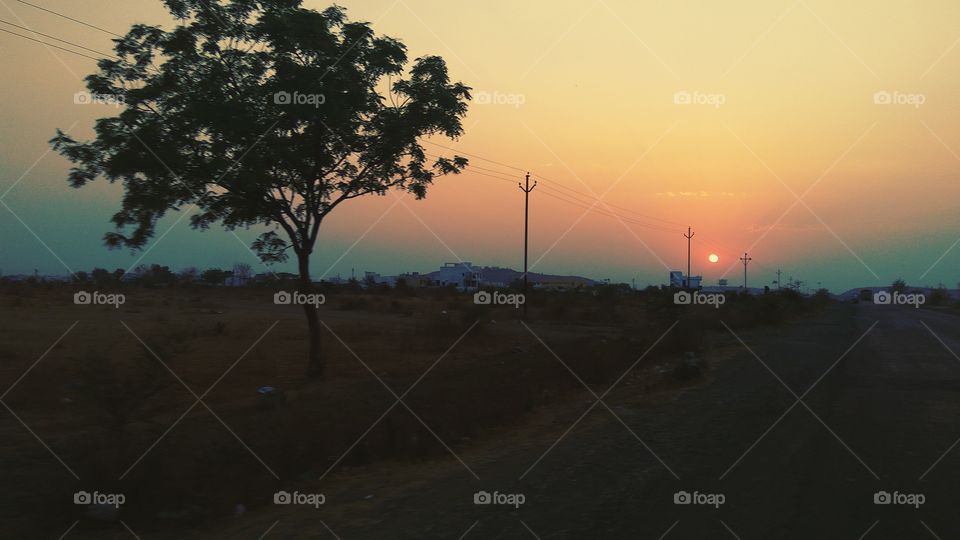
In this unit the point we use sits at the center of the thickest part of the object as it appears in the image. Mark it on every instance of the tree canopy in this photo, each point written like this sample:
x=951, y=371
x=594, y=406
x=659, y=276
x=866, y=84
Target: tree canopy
x=262, y=112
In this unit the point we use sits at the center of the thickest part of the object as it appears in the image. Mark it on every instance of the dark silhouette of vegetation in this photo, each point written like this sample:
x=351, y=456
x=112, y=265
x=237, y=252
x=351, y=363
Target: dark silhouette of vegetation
x=263, y=113
x=939, y=296
x=214, y=276
x=899, y=286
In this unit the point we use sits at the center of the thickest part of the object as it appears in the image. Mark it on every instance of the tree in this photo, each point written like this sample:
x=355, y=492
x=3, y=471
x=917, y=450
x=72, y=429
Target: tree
x=153, y=275
x=242, y=272
x=213, y=276
x=101, y=276
x=188, y=276
x=263, y=113
x=939, y=296
x=899, y=286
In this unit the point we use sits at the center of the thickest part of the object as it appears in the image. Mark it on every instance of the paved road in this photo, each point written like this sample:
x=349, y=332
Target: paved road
x=879, y=411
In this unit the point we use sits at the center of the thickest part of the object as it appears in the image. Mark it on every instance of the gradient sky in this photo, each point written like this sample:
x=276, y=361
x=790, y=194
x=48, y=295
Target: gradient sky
x=798, y=164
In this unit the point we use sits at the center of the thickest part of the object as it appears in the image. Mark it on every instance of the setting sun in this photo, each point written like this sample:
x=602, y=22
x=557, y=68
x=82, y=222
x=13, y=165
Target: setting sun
x=713, y=258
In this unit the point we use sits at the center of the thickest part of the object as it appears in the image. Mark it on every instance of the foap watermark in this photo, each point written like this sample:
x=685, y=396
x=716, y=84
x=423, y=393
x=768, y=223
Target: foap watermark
x=86, y=498
x=499, y=98
x=296, y=98
x=715, y=500
x=895, y=298
x=96, y=298
x=695, y=298
x=686, y=97
x=885, y=97
x=515, y=500
x=915, y=500
x=297, y=298
x=497, y=298
x=305, y=499
x=87, y=98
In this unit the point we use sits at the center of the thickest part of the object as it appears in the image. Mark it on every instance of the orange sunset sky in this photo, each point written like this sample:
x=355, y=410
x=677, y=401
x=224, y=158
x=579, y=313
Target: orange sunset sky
x=823, y=137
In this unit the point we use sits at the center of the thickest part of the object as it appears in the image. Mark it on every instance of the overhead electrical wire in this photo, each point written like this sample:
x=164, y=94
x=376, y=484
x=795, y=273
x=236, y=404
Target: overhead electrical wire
x=104, y=30
x=51, y=45
x=558, y=184
x=599, y=207
x=476, y=156
x=77, y=45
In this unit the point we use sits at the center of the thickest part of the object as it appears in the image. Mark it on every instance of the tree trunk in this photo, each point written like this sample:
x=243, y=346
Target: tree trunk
x=315, y=362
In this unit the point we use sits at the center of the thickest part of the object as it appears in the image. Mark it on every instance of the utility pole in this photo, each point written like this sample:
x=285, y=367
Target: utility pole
x=745, y=260
x=688, y=236
x=778, y=279
x=526, y=189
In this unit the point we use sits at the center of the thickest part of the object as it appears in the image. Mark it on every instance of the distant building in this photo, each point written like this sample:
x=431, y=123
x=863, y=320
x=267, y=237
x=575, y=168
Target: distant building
x=415, y=280
x=679, y=281
x=723, y=283
x=462, y=275
x=374, y=278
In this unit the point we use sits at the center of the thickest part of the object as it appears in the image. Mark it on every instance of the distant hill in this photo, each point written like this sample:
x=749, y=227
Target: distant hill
x=853, y=293
x=506, y=276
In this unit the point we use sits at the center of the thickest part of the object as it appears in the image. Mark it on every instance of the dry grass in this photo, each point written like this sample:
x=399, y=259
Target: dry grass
x=101, y=398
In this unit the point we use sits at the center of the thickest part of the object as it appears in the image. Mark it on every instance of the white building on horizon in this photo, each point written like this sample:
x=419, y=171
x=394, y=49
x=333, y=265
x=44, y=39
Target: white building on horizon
x=462, y=274
x=679, y=281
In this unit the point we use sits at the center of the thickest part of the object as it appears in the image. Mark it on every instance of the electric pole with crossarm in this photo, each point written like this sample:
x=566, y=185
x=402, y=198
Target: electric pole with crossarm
x=526, y=189
x=688, y=236
x=745, y=260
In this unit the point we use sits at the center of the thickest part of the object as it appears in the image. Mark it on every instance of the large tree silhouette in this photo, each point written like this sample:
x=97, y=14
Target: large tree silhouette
x=263, y=113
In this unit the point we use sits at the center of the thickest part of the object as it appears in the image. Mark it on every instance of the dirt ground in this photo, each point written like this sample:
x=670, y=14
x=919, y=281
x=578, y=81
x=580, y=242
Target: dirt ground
x=157, y=398
x=880, y=415
x=579, y=422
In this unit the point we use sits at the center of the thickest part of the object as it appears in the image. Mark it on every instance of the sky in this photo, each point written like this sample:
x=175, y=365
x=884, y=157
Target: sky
x=822, y=138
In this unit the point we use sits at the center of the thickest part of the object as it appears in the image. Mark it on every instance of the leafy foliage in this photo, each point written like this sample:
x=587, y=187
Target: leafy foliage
x=212, y=120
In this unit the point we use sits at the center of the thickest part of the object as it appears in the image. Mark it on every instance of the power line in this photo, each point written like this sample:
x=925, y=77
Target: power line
x=567, y=198
x=558, y=184
x=611, y=205
x=511, y=177
x=606, y=212
x=590, y=198
x=495, y=177
x=475, y=156
x=507, y=176
x=57, y=39
x=594, y=197
x=52, y=45
x=70, y=18
x=579, y=204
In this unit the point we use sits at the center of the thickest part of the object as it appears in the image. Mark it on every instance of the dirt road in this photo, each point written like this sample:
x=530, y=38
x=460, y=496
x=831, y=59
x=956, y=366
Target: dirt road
x=796, y=430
